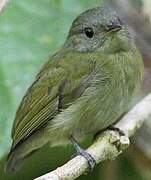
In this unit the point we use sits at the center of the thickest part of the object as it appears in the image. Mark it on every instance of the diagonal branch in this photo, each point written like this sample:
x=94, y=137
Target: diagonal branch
x=107, y=145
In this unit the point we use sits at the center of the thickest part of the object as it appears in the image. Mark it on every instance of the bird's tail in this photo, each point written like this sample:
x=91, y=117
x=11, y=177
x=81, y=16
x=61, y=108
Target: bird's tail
x=22, y=151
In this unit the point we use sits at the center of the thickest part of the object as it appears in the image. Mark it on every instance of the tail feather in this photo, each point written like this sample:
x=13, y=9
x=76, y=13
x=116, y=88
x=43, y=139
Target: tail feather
x=24, y=150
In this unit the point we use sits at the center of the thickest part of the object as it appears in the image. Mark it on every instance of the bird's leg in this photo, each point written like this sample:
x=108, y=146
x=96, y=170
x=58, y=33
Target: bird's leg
x=80, y=151
x=113, y=128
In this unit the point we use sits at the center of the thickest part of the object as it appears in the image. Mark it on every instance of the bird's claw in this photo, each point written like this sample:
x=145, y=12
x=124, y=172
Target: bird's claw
x=91, y=161
x=113, y=128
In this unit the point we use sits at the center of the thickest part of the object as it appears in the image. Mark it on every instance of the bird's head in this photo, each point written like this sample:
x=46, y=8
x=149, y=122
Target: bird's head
x=98, y=29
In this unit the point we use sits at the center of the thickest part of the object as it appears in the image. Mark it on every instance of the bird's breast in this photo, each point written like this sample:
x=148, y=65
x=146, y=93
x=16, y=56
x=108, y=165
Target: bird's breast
x=114, y=86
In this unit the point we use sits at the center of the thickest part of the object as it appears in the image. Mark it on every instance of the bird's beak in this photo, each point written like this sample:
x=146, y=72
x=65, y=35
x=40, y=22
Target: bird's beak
x=114, y=26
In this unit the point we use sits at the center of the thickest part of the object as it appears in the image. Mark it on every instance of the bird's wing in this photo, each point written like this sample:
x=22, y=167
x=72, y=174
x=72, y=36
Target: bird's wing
x=60, y=82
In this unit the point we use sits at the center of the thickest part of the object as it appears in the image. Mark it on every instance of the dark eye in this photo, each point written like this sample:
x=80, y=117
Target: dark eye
x=89, y=32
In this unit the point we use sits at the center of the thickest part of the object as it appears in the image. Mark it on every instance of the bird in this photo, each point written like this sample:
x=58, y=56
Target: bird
x=82, y=89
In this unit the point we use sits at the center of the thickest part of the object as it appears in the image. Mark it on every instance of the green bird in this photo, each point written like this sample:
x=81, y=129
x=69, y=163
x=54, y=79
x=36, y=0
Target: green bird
x=82, y=89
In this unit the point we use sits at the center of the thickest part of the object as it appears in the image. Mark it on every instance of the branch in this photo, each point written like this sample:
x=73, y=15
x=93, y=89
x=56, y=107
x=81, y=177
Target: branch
x=142, y=140
x=108, y=145
x=3, y=4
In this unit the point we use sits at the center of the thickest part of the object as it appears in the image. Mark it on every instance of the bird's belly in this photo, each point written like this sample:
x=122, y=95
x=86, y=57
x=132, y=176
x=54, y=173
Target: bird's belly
x=98, y=120
x=86, y=118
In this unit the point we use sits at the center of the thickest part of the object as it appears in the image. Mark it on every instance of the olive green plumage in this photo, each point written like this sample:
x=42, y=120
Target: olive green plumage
x=83, y=88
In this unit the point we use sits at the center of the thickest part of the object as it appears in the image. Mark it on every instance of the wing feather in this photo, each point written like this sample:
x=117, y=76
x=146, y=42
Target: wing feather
x=58, y=84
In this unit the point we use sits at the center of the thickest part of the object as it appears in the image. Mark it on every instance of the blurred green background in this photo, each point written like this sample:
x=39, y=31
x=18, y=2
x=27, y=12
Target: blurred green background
x=29, y=32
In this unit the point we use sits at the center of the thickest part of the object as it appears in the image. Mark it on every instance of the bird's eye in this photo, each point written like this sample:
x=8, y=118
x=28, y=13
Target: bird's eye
x=89, y=32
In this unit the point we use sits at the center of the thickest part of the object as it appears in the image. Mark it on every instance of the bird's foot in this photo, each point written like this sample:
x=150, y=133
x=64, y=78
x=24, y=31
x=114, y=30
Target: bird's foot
x=91, y=161
x=80, y=151
x=113, y=128
x=121, y=142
